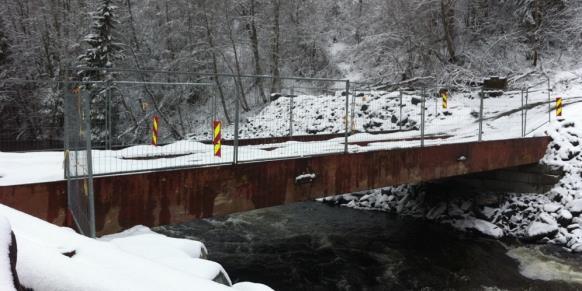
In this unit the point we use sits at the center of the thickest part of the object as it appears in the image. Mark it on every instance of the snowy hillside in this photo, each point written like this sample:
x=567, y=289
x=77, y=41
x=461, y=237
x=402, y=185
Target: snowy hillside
x=373, y=112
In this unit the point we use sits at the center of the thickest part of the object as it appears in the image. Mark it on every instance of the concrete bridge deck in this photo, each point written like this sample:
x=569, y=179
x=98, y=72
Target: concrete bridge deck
x=175, y=196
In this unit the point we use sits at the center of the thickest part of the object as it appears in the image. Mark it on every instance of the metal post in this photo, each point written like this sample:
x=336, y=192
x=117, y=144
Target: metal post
x=347, y=111
x=549, y=102
x=522, y=116
x=481, y=115
x=353, y=113
x=525, y=114
x=422, y=119
x=91, y=197
x=291, y=99
x=214, y=112
x=400, y=119
x=109, y=112
x=67, y=123
x=236, y=123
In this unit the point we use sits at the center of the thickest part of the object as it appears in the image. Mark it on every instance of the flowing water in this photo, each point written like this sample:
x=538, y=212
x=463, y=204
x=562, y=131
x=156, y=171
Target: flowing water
x=311, y=246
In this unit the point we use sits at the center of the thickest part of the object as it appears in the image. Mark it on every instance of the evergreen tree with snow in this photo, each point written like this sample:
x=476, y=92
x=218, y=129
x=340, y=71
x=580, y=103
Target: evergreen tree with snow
x=103, y=51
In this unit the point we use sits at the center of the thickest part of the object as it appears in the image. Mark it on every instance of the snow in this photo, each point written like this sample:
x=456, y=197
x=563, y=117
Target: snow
x=546, y=218
x=482, y=226
x=5, y=242
x=552, y=207
x=247, y=286
x=575, y=206
x=537, y=229
x=303, y=177
x=137, y=259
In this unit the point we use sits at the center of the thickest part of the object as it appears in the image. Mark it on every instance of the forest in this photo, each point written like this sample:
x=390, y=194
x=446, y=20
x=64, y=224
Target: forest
x=454, y=43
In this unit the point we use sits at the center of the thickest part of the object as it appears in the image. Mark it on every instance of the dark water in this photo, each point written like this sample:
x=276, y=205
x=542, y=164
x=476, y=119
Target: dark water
x=310, y=246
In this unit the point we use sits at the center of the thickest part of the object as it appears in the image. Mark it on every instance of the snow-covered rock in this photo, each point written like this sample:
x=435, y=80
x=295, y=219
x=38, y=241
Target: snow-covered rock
x=552, y=207
x=538, y=230
x=487, y=228
x=546, y=218
x=565, y=217
x=575, y=206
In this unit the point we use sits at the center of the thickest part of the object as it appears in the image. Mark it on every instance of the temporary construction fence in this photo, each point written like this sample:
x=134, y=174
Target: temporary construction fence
x=109, y=125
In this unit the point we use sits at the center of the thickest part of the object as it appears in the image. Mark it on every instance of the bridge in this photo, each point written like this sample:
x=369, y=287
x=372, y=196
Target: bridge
x=321, y=137
x=178, y=195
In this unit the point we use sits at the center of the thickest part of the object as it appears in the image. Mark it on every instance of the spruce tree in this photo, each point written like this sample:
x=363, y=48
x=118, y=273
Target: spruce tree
x=103, y=52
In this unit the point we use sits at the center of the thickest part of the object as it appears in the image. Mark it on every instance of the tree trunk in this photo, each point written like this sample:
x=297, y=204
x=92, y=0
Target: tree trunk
x=252, y=29
x=276, y=82
x=238, y=80
x=210, y=40
x=448, y=17
x=132, y=26
x=535, y=40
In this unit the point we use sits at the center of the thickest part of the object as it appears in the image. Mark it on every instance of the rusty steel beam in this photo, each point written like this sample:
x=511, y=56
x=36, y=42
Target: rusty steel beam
x=176, y=196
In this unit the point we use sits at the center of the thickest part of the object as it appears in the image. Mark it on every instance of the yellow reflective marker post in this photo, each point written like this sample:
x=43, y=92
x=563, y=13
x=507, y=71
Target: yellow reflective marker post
x=445, y=96
x=217, y=138
x=155, y=130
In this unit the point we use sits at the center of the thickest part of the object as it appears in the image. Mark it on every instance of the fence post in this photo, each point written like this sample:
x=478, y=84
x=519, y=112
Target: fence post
x=400, y=118
x=236, y=123
x=525, y=114
x=481, y=115
x=214, y=111
x=68, y=100
x=353, y=113
x=88, y=134
x=549, y=101
x=347, y=112
x=291, y=99
x=109, y=112
x=522, y=116
x=422, y=121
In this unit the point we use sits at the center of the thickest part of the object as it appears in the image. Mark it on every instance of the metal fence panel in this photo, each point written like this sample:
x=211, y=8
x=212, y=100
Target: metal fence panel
x=78, y=159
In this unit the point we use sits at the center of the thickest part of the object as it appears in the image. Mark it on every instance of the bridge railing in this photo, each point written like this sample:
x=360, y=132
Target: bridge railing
x=261, y=117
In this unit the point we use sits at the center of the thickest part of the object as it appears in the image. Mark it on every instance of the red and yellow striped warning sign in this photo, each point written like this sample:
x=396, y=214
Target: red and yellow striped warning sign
x=156, y=122
x=445, y=96
x=217, y=138
x=559, y=106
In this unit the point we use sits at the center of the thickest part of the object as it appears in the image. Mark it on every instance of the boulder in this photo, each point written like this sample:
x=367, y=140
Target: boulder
x=575, y=206
x=564, y=217
x=538, y=230
x=552, y=207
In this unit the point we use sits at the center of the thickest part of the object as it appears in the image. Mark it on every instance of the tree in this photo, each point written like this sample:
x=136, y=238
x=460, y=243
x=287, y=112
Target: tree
x=101, y=55
x=275, y=44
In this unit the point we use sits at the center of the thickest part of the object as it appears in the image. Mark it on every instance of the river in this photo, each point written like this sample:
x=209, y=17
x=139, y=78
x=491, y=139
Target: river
x=312, y=246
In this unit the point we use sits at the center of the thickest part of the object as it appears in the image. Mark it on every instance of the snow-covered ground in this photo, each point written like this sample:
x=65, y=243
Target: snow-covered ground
x=57, y=258
x=376, y=114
